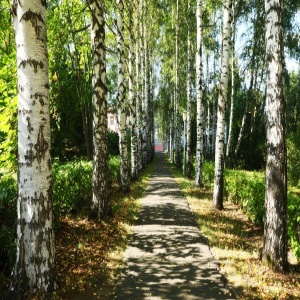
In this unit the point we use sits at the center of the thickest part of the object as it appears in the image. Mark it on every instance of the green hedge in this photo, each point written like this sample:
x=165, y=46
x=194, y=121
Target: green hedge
x=247, y=189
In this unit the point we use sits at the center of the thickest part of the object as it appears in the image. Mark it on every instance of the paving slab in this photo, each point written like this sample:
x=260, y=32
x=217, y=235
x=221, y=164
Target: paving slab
x=167, y=257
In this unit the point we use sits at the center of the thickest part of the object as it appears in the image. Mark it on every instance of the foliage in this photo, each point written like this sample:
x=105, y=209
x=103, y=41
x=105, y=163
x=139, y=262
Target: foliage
x=247, y=189
x=294, y=222
x=293, y=162
x=8, y=212
x=113, y=143
x=8, y=134
x=72, y=188
x=8, y=90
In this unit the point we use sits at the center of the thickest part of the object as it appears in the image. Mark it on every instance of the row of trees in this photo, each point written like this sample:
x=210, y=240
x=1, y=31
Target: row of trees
x=262, y=98
x=104, y=53
x=41, y=101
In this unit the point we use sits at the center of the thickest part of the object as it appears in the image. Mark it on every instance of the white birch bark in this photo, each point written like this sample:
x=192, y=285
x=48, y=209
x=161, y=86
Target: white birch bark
x=189, y=104
x=232, y=99
x=101, y=206
x=124, y=163
x=222, y=99
x=146, y=115
x=139, y=86
x=34, y=269
x=132, y=94
x=176, y=96
x=200, y=114
x=275, y=245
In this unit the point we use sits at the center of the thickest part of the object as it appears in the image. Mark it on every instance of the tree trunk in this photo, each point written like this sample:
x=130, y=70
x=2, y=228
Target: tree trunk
x=219, y=153
x=34, y=269
x=275, y=247
x=200, y=114
x=229, y=142
x=101, y=206
x=189, y=105
x=124, y=163
x=132, y=96
x=176, y=96
x=139, y=122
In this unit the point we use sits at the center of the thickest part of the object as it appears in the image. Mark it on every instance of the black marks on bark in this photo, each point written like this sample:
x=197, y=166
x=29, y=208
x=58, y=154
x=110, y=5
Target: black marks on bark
x=41, y=146
x=35, y=19
x=29, y=156
x=33, y=63
x=25, y=111
x=44, y=3
x=14, y=7
x=29, y=126
x=39, y=97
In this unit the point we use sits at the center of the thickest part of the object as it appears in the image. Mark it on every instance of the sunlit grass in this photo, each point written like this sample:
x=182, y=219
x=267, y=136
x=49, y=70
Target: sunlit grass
x=236, y=243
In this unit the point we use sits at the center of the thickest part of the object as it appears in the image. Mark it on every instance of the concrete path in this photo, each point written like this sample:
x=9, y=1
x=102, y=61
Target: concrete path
x=168, y=257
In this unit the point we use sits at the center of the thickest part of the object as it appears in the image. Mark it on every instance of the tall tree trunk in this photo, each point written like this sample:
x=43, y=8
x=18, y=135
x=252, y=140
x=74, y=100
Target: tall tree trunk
x=34, y=269
x=189, y=104
x=121, y=98
x=275, y=246
x=232, y=100
x=176, y=96
x=171, y=140
x=139, y=121
x=146, y=112
x=144, y=99
x=101, y=206
x=219, y=153
x=200, y=114
x=132, y=94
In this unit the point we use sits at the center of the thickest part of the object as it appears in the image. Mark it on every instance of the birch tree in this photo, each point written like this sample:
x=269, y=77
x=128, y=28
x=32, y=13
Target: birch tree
x=34, y=269
x=222, y=99
x=121, y=98
x=176, y=91
x=100, y=203
x=138, y=85
x=189, y=104
x=200, y=114
x=132, y=93
x=275, y=246
x=232, y=99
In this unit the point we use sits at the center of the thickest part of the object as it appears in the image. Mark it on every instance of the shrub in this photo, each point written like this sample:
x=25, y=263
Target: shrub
x=113, y=143
x=248, y=190
x=294, y=223
x=72, y=189
x=293, y=154
x=208, y=173
x=8, y=212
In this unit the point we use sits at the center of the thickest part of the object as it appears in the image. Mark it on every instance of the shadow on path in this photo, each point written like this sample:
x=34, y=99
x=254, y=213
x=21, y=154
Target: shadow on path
x=167, y=257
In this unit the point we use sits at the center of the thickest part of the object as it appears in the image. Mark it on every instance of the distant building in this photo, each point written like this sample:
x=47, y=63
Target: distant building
x=112, y=121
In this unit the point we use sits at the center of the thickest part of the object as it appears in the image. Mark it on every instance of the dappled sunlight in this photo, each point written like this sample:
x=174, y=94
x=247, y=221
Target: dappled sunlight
x=168, y=258
x=236, y=244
